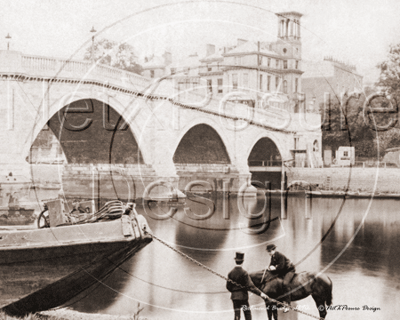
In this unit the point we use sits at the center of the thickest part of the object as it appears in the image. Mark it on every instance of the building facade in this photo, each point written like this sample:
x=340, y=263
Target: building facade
x=331, y=77
x=157, y=67
x=269, y=74
x=252, y=67
x=259, y=67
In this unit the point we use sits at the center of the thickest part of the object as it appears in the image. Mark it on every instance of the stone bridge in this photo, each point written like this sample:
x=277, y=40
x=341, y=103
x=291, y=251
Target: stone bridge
x=105, y=117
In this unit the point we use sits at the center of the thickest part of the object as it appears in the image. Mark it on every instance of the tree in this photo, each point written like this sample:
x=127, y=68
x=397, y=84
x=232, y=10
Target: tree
x=116, y=55
x=359, y=126
x=345, y=125
x=389, y=79
x=389, y=82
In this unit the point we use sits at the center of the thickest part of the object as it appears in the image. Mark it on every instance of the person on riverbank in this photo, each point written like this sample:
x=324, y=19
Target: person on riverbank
x=243, y=283
x=283, y=268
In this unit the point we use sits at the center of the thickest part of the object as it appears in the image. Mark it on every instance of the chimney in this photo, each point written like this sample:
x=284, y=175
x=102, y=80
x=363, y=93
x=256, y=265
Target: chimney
x=210, y=49
x=167, y=58
x=240, y=42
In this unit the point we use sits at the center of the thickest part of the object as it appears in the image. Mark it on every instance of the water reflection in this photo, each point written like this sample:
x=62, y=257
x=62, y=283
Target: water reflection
x=364, y=270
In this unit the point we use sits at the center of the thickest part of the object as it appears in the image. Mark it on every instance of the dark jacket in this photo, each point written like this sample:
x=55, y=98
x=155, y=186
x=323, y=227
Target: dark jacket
x=240, y=276
x=282, y=264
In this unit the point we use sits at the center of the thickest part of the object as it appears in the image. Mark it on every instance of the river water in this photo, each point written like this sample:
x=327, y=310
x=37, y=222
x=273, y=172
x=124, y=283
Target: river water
x=354, y=242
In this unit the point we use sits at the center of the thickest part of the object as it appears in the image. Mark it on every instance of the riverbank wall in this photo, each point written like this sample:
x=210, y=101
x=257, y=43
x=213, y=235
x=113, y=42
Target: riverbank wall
x=338, y=178
x=384, y=180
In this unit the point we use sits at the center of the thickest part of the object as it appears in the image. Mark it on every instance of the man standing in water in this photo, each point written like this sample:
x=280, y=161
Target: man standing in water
x=283, y=268
x=239, y=295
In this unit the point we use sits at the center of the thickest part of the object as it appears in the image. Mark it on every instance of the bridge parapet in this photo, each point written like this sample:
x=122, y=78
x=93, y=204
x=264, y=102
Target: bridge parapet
x=18, y=65
x=14, y=63
x=235, y=115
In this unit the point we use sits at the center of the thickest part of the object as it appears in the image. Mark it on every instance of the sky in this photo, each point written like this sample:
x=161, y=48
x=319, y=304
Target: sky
x=358, y=32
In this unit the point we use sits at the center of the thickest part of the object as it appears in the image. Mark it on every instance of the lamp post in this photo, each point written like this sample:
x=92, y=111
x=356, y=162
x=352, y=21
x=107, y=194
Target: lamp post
x=93, y=31
x=8, y=37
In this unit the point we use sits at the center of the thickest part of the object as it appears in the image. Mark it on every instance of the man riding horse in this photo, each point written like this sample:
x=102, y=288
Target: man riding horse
x=283, y=268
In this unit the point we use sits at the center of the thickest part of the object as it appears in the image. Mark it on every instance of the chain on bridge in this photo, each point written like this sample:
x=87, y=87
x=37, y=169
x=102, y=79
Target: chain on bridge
x=223, y=277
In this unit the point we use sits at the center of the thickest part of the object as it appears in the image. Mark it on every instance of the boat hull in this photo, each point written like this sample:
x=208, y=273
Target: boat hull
x=55, y=269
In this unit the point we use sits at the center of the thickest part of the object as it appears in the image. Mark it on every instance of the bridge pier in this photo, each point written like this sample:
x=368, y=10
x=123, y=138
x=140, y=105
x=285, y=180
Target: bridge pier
x=141, y=181
x=212, y=178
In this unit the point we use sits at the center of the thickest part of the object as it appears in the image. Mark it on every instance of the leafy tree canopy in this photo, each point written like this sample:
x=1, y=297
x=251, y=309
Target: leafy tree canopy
x=389, y=79
x=345, y=125
x=354, y=124
x=111, y=53
x=389, y=82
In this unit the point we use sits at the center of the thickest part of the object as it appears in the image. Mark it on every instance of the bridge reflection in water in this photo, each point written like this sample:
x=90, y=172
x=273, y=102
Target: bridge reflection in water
x=364, y=272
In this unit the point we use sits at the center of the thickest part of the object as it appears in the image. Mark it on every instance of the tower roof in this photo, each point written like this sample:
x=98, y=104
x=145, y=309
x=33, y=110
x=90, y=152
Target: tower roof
x=289, y=13
x=250, y=47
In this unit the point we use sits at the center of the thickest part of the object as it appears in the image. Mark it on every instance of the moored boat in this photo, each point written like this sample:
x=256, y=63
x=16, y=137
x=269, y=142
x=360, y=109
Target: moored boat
x=48, y=267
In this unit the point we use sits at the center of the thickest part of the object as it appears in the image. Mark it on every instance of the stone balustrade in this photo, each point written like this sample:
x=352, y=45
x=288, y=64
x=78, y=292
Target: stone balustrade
x=17, y=64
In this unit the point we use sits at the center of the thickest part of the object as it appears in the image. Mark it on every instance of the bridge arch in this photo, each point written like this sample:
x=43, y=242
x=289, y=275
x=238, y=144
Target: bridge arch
x=264, y=159
x=91, y=113
x=202, y=141
x=268, y=141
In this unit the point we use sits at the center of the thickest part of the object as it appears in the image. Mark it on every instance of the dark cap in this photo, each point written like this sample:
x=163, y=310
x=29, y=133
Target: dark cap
x=271, y=247
x=239, y=256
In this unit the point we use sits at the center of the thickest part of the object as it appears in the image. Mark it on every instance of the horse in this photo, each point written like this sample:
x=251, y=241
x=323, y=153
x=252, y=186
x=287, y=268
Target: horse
x=302, y=285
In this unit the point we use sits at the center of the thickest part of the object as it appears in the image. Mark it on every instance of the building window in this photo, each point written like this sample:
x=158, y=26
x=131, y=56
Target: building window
x=151, y=73
x=277, y=63
x=173, y=70
x=296, y=143
x=296, y=85
x=315, y=146
x=276, y=82
x=220, y=83
x=284, y=64
x=268, y=83
x=284, y=50
x=269, y=62
x=345, y=153
x=246, y=80
x=234, y=81
x=285, y=86
x=297, y=64
x=209, y=85
x=261, y=82
x=209, y=68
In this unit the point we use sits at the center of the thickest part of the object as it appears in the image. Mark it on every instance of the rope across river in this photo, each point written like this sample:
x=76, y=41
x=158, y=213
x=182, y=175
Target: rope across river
x=222, y=276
